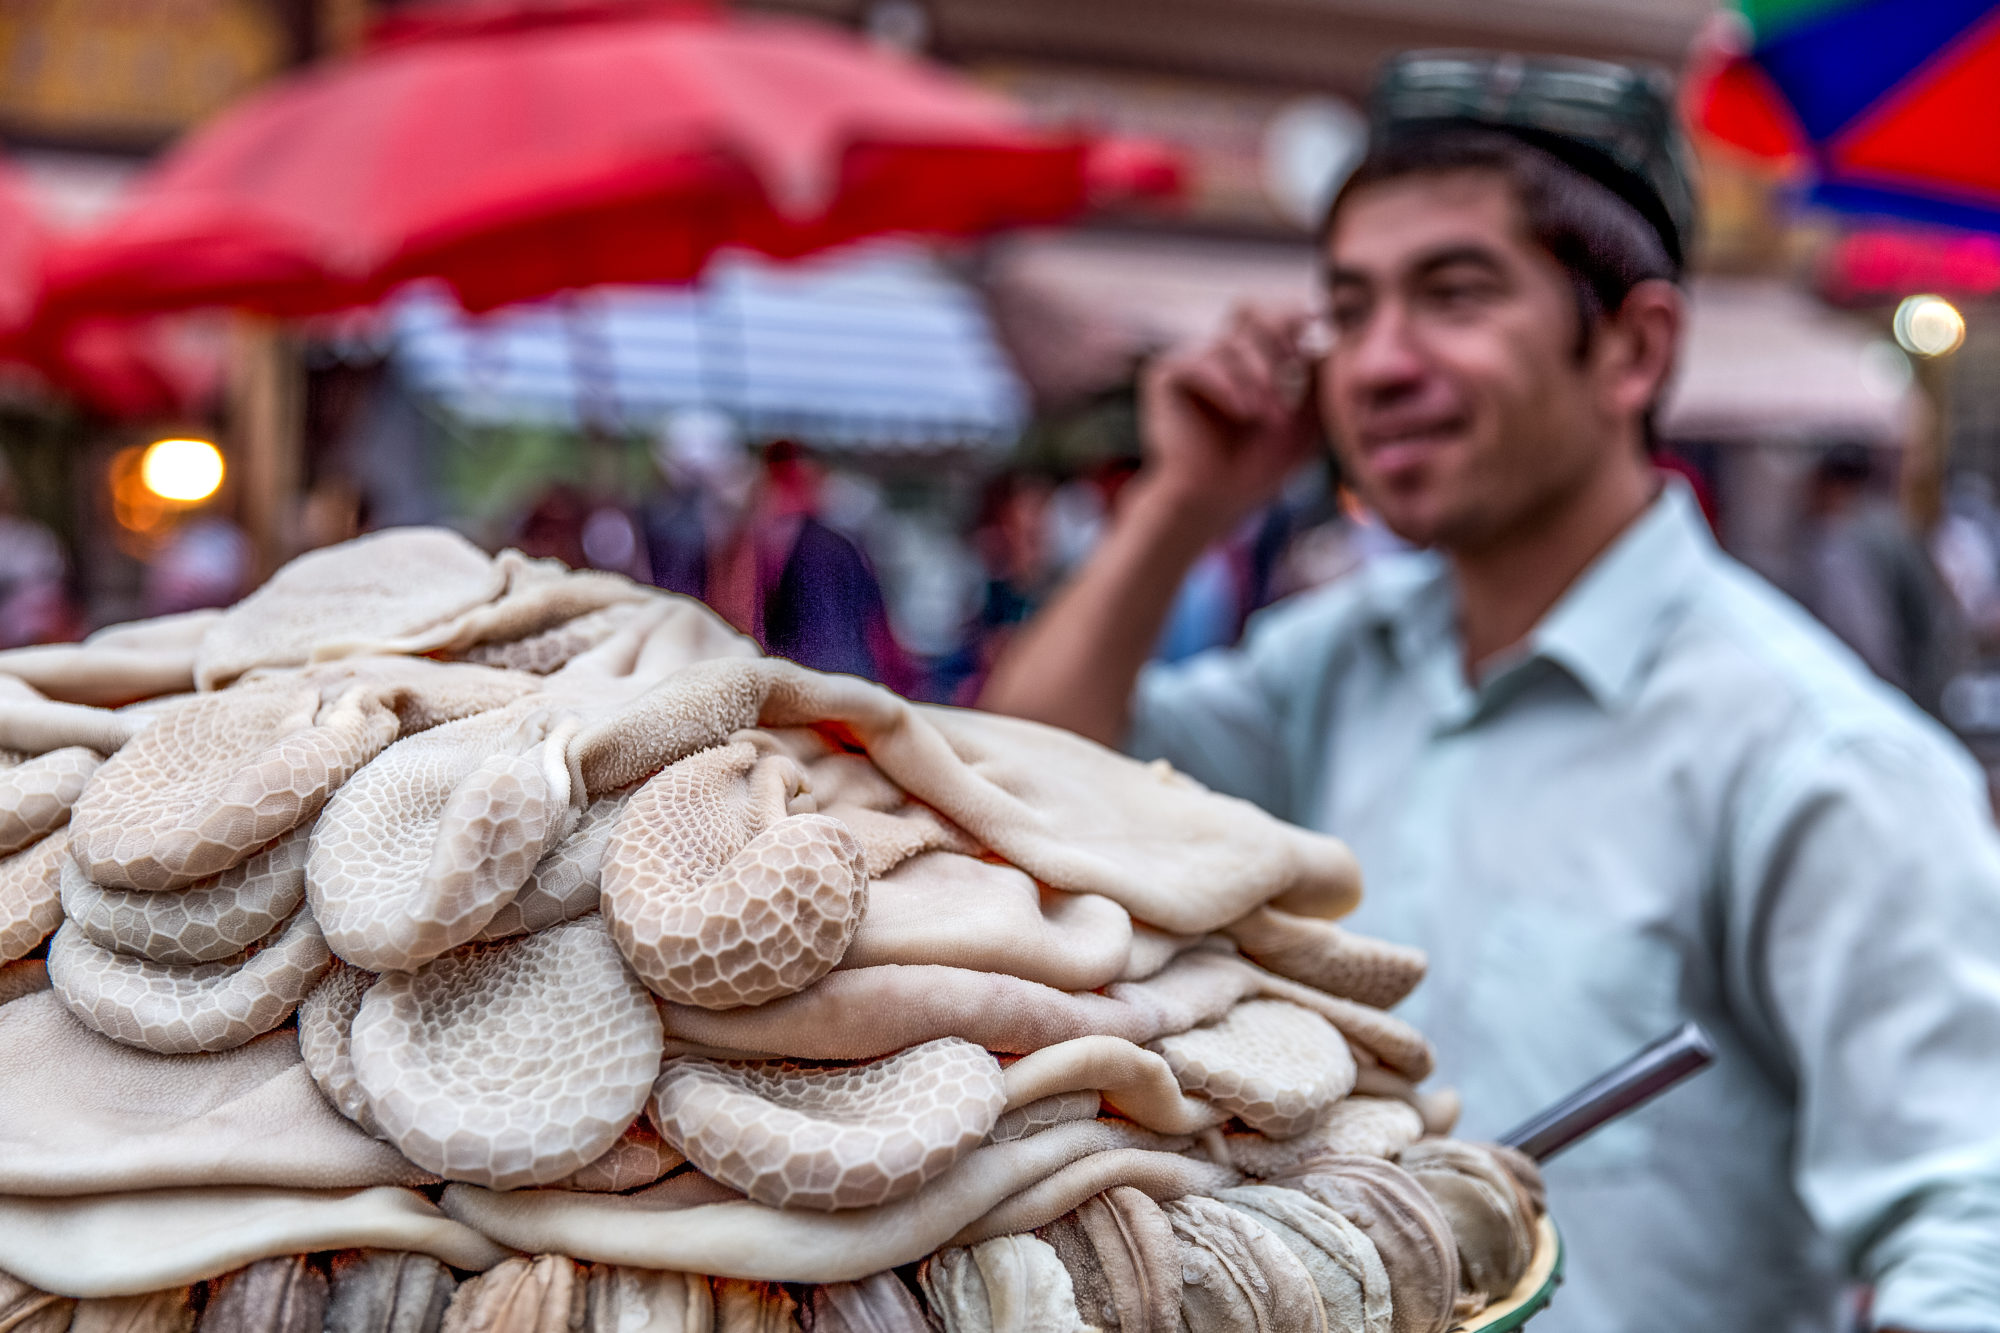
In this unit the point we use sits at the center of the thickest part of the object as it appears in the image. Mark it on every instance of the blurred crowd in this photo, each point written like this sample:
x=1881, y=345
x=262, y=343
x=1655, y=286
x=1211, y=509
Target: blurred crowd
x=806, y=557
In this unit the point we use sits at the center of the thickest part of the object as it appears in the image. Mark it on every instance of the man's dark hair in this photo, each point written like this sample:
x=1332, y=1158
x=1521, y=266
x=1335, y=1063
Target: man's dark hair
x=1601, y=241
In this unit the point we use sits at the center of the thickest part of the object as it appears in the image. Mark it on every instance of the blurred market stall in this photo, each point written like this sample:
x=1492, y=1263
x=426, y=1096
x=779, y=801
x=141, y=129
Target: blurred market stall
x=514, y=150
x=871, y=350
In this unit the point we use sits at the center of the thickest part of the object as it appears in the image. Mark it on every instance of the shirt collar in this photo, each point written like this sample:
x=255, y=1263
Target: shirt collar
x=1604, y=631
x=1608, y=628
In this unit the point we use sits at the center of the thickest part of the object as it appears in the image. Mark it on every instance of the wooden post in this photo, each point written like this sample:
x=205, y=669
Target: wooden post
x=340, y=25
x=267, y=427
x=1925, y=453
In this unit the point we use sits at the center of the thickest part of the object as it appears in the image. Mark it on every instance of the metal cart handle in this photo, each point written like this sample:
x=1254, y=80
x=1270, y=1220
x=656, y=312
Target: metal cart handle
x=1639, y=1079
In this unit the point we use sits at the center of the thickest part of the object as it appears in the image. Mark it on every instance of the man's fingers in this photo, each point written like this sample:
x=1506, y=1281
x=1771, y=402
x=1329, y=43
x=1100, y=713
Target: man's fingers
x=1211, y=380
x=1274, y=331
x=1253, y=374
x=1243, y=359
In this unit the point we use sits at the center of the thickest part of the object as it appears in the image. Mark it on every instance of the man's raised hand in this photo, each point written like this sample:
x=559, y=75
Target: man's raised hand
x=1225, y=422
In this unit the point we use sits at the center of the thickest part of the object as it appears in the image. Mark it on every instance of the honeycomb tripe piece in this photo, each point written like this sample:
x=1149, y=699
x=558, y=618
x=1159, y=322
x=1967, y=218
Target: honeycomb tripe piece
x=650, y=634
x=1439, y=1107
x=662, y=1227
x=1321, y=954
x=872, y=1011
x=145, y=1240
x=326, y=1026
x=140, y=659
x=1010, y=1284
x=890, y=826
x=1072, y=814
x=721, y=888
x=83, y=1115
x=632, y=1300
x=1135, y=1082
x=218, y=776
x=546, y=650
x=386, y=1291
x=537, y=595
x=564, y=883
x=1353, y=1284
x=36, y=794
x=877, y=1304
x=382, y=588
x=1492, y=1217
x=1160, y=1169
x=175, y=1009
x=282, y=1294
x=31, y=895
x=961, y=911
x=1236, y=1277
x=1044, y=1113
x=545, y=1294
x=795, y=1136
x=639, y=1158
x=1272, y=1065
x=1362, y=1126
x=418, y=851
x=423, y=693
x=32, y=726
x=1411, y=1235
x=1383, y=1037
x=512, y=1063
x=1123, y=1260
x=202, y=923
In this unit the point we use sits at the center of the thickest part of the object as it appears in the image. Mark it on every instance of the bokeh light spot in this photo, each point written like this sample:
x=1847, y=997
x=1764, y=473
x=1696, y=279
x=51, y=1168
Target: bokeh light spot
x=1929, y=325
x=185, y=470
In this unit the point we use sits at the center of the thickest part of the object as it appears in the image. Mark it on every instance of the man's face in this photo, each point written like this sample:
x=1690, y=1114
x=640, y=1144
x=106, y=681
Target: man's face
x=1453, y=391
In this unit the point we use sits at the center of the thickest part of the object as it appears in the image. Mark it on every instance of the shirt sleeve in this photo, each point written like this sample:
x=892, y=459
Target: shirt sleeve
x=1241, y=720
x=1870, y=943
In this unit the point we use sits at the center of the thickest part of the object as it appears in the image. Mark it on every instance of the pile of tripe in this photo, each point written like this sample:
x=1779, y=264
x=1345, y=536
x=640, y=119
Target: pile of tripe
x=436, y=937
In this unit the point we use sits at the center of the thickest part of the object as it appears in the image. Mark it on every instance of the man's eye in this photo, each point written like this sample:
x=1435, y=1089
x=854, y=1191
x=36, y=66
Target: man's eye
x=1346, y=316
x=1458, y=295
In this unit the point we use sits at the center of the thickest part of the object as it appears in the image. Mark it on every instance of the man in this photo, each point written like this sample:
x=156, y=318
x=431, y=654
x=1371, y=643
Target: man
x=1603, y=775
x=1869, y=579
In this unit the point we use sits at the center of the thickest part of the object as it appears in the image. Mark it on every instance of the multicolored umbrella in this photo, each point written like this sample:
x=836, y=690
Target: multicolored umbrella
x=1894, y=104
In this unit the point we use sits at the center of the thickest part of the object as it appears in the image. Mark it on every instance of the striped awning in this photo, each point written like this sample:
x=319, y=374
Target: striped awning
x=870, y=349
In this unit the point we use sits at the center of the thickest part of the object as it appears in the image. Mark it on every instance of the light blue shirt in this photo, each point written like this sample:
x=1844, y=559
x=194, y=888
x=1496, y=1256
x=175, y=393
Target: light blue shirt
x=1682, y=800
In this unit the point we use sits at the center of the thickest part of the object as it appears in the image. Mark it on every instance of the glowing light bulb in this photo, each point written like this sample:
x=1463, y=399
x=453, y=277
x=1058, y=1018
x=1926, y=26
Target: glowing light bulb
x=188, y=471
x=1929, y=325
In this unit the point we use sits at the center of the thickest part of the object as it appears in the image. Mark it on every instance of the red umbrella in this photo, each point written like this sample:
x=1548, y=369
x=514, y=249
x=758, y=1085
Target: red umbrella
x=23, y=238
x=516, y=151
x=117, y=366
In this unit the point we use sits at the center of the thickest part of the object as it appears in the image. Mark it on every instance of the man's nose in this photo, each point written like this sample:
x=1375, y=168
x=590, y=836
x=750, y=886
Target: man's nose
x=1381, y=356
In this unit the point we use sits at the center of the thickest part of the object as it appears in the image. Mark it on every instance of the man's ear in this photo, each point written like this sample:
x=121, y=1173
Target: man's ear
x=1636, y=347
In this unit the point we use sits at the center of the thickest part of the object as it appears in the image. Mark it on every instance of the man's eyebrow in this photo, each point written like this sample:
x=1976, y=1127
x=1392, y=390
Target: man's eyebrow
x=1481, y=256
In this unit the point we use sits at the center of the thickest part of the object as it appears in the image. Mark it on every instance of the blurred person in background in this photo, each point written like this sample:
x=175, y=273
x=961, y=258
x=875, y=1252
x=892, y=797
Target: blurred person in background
x=1966, y=550
x=1870, y=580
x=34, y=599
x=207, y=561
x=753, y=546
x=552, y=529
x=1608, y=779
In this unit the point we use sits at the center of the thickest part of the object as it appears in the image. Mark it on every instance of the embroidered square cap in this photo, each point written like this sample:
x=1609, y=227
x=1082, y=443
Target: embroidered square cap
x=1614, y=123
